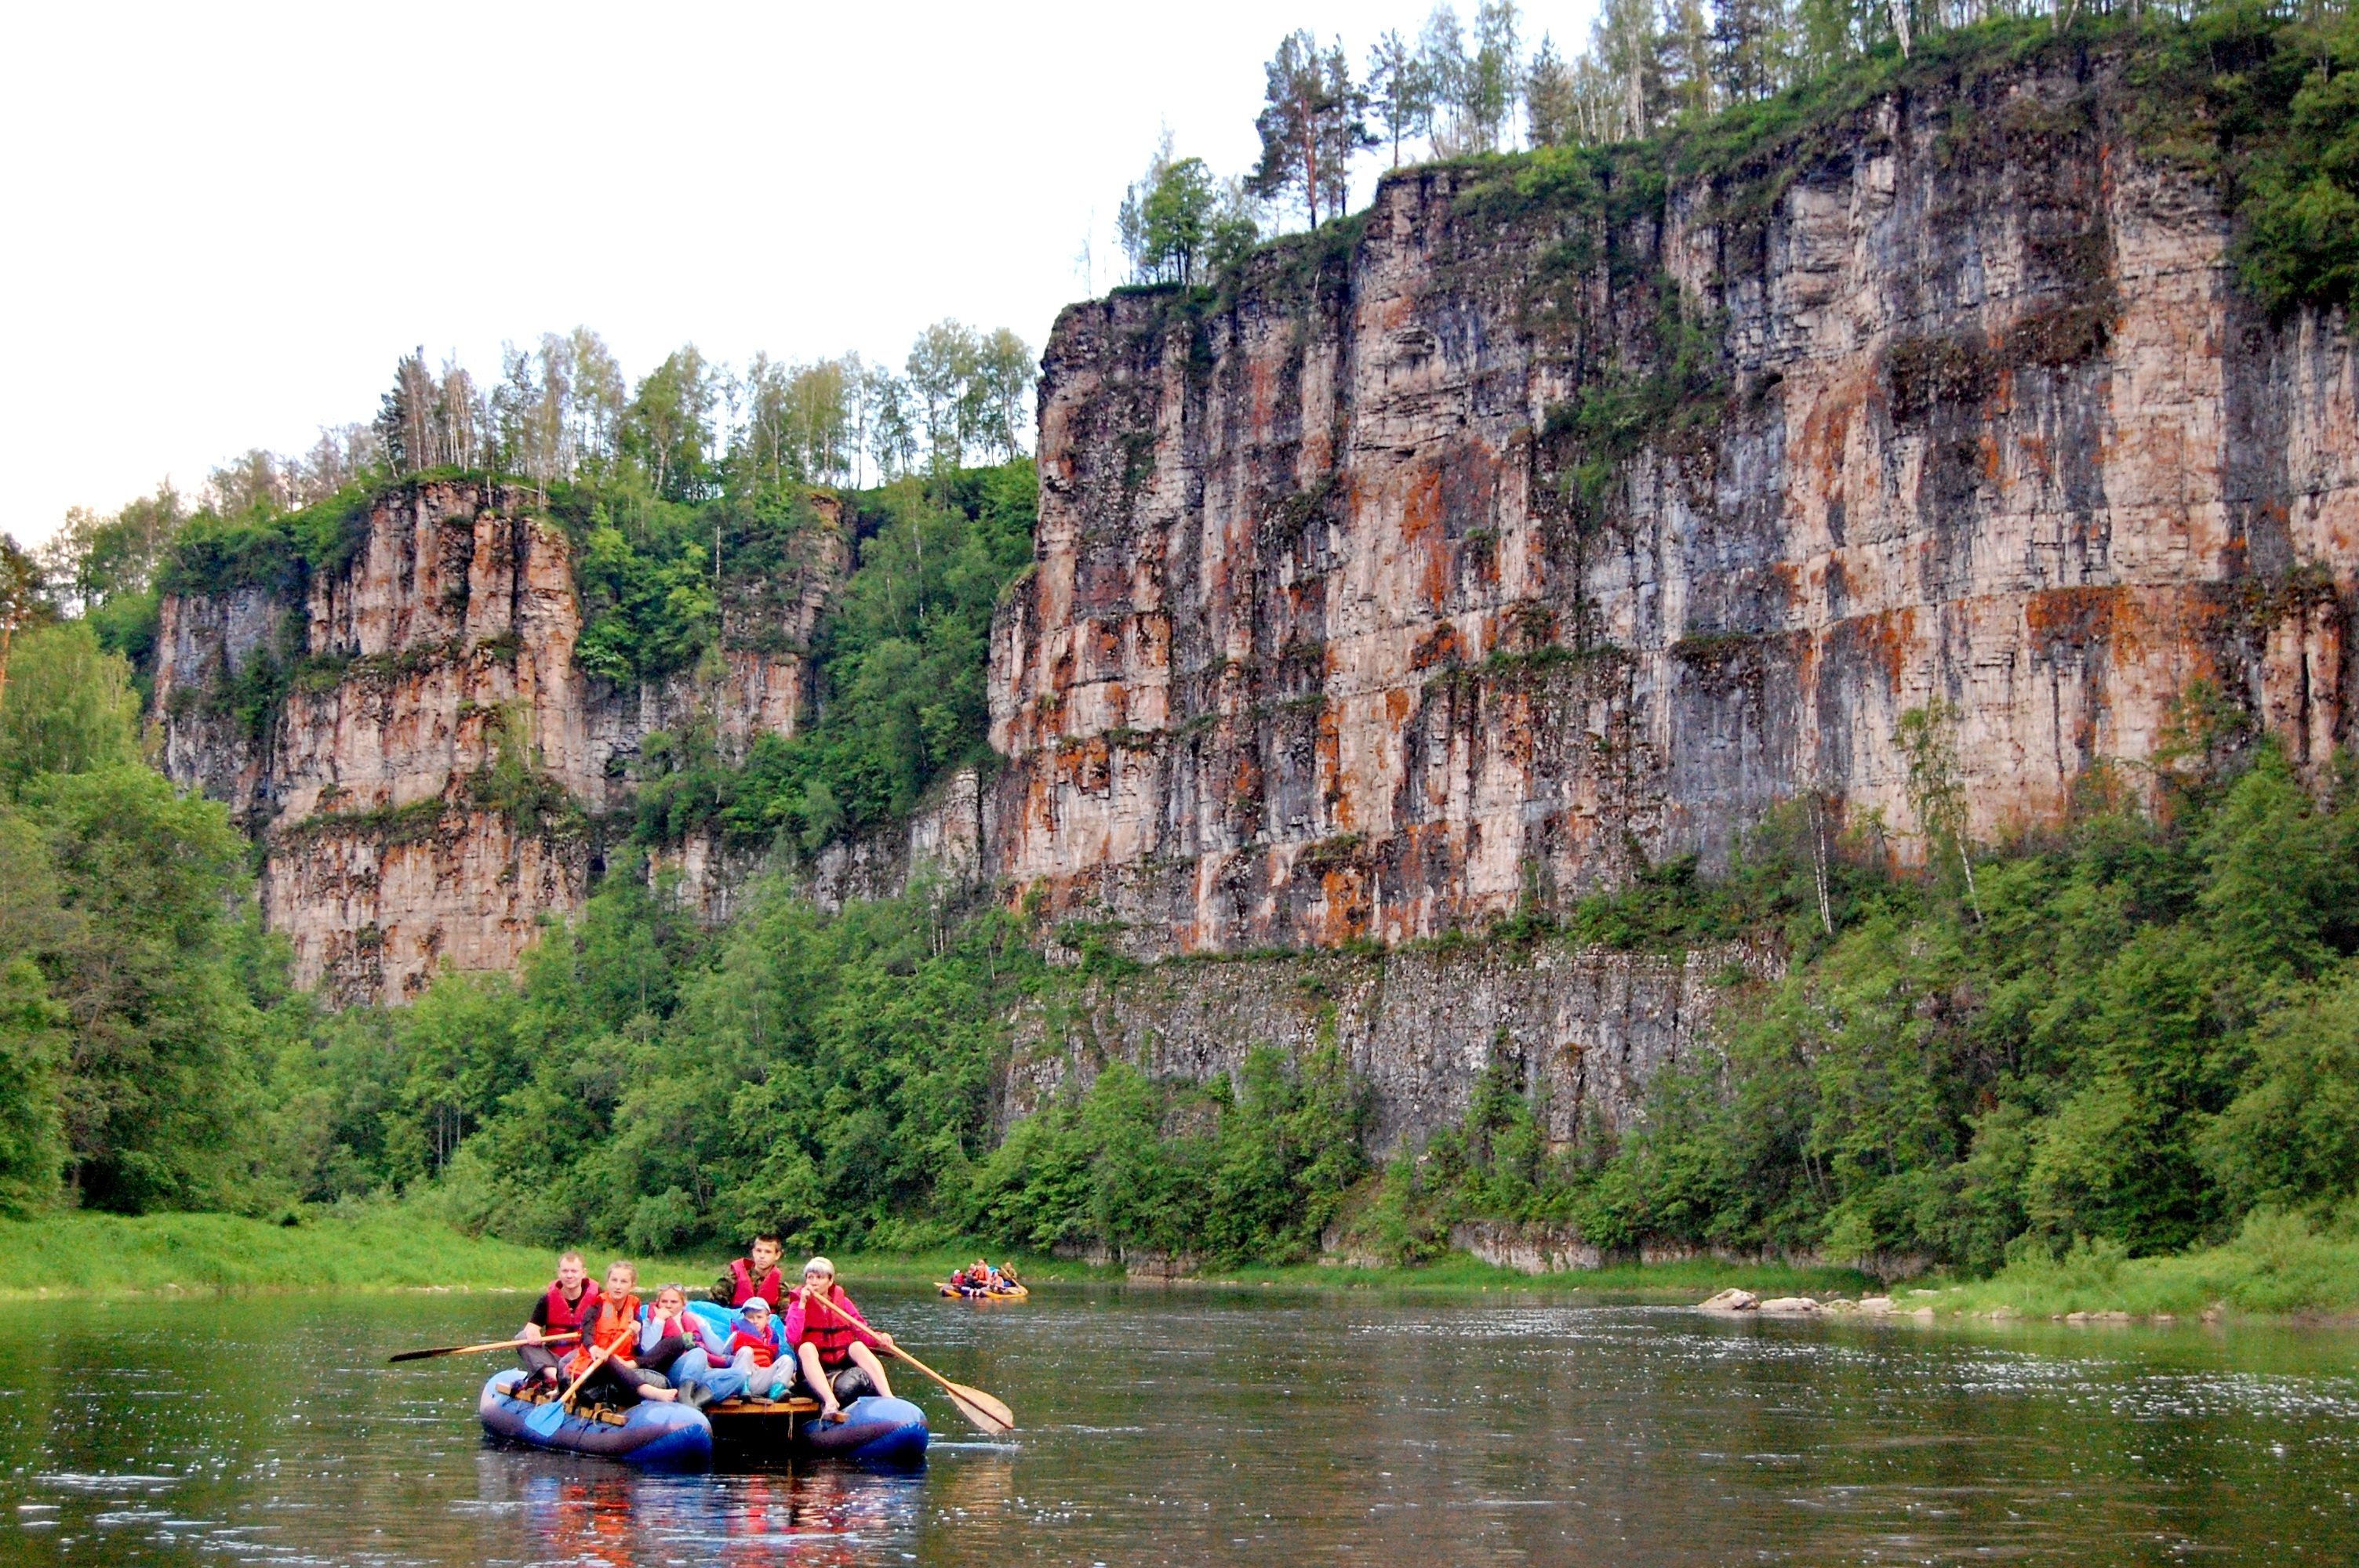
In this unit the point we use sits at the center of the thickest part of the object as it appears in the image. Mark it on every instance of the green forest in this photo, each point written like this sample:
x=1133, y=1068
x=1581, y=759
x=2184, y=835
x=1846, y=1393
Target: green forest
x=2132, y=1035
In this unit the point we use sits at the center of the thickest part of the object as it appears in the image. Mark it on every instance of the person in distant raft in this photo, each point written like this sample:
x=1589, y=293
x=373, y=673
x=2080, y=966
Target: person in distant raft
x=756, y=1275
x=614, y=1322
x=567, y=1301
x=831, y=1344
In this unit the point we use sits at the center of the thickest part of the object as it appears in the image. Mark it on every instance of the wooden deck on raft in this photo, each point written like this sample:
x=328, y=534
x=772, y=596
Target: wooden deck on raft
x=765, y=1422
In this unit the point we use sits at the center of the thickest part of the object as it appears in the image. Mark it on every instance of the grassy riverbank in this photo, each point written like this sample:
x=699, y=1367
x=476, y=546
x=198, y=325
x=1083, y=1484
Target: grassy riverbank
x=2278, y=1266
x=82, y=1253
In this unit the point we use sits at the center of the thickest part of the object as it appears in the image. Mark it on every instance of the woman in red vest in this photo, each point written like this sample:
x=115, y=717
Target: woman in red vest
x=832, y=1343
x=560, y=1310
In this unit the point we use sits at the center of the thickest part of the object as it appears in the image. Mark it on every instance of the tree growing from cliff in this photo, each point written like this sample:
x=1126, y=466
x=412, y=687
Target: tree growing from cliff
x=667, y=428
x=1400, y=92
x=1312, y=122
x=1750, y=45
x=1476, y=81
x=1552, y=107
x=1178, y=224
x=1927, y=739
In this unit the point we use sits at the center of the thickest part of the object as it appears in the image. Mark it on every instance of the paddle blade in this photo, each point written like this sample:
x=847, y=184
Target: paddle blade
x=987, y=1413
x=545, y=1418
x=995, y=1408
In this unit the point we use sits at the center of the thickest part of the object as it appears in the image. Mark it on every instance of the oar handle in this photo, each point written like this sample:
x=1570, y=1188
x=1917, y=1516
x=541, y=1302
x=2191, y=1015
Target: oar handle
x=471, y=1350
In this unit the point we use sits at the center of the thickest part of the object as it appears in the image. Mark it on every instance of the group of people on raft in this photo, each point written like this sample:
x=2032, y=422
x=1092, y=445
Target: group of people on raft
x=983, y=1280
x=809, y=1343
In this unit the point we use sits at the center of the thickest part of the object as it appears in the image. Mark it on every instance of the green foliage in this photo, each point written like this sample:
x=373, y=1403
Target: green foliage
x=1178, y=225
x=32, y=1024
x=139, y=1016
x=2136, y=1044
x=654, y=1082
x=2276, y=1261
x=1209, y=1171
x=2280, y=103
x=902, y=662
x=277, y=552
x=68, y=707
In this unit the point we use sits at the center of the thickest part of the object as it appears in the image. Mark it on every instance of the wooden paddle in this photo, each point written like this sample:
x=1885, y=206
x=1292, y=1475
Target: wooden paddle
x=989, y=1414
x=471, y=1350
x=547, y=1417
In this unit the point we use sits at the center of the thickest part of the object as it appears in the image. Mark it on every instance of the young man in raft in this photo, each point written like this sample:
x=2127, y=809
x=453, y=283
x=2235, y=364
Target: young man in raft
x=754, y=1275
x=832, y=1343
x=617, y=1380
x=559, y=1309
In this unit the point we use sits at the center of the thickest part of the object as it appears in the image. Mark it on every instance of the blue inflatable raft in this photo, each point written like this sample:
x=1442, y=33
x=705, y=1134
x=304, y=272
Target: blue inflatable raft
x=873, y=1431
x=880, y=1432
x=656, y=1434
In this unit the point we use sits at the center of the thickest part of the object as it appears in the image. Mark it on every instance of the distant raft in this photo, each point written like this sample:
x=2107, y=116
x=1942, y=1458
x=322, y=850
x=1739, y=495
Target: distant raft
x=972, y=1293
x=655, y=1436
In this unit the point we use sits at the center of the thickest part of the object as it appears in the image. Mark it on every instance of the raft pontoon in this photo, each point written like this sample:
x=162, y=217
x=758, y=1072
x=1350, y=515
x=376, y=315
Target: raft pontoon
x=656, y=1434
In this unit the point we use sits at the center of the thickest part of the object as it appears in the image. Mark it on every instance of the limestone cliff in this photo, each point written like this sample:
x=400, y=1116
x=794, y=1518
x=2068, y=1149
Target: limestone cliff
x=427, y=766
x=1551, y=519
x=1581, y=1034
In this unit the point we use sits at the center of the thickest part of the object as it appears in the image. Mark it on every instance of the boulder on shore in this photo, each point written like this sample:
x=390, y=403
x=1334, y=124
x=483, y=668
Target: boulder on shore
x=1732, y=1300
x=1792, y=1306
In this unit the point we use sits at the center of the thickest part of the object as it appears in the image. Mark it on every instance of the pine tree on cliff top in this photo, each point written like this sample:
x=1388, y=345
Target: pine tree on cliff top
x=1310, y=127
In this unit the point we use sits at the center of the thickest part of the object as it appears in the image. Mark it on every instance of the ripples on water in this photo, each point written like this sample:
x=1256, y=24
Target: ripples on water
x=1186, y=1427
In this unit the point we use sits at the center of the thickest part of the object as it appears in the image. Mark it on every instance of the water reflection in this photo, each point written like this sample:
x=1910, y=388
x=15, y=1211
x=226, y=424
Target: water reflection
x=613, y=1519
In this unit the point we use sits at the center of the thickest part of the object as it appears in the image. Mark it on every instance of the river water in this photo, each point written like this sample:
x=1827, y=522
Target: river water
x=1193, y=1426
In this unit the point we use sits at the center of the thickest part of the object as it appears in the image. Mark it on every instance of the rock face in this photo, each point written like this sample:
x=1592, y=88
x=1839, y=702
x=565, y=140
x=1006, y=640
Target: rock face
x=1521, y=532
x=1579, y=1033
x=426, y=766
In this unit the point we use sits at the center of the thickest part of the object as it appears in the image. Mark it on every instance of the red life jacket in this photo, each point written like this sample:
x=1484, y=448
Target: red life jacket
x=614, y=1321
x=563, y=1315
x=744, y=1287
x=765, y=1348
x=832, y=1328
x=680, y=1328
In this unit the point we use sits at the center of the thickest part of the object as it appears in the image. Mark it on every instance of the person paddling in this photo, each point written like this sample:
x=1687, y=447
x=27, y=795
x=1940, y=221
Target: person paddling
x=832, y=1343
x=560, y=1310
x=613, y=1324
x=756, y=1274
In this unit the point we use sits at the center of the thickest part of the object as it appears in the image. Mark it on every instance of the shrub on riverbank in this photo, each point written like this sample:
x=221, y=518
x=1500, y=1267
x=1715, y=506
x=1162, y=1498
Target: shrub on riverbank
x=2277, y=1263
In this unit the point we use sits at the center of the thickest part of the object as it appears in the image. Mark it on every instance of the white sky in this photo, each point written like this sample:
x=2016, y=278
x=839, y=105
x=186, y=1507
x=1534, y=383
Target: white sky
x=226, y=223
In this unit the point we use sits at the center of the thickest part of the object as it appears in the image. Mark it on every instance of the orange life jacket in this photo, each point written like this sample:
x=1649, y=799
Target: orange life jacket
x=614, y=1322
